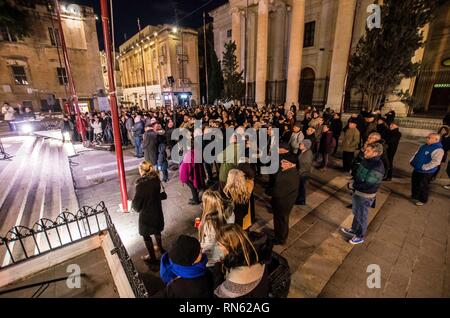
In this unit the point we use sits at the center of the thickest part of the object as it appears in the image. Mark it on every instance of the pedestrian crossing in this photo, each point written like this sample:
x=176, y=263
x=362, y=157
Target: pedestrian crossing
x=36, y=184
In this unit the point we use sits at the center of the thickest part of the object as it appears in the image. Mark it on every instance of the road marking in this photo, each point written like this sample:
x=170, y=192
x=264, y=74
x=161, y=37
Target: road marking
x=138, y=160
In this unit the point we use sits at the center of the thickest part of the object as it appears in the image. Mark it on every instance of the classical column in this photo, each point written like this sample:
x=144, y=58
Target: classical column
x=236, y=33
x=277, y=40
x=393, y=101
x=295, y=51
x=341, y=49
x=261, y=52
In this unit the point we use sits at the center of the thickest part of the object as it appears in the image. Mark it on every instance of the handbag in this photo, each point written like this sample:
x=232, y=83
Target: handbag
x=163, y=194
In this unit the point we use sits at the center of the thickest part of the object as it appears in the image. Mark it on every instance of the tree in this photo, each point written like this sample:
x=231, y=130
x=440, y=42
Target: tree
x=14, y=16
x=383, y=55
x=215, y=78
x=233, y=80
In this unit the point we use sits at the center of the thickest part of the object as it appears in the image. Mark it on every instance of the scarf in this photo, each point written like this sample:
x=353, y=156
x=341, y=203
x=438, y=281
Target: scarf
x=169, y=271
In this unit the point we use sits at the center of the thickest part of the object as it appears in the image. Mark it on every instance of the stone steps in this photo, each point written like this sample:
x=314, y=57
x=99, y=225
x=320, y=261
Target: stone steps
x=39, y=186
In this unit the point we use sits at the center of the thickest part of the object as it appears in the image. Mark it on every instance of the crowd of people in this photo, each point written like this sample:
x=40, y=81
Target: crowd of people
x=226, y=259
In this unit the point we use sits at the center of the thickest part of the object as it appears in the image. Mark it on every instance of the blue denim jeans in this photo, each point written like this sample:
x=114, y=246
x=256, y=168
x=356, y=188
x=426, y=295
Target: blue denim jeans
x=137, y=146
x=360, y=207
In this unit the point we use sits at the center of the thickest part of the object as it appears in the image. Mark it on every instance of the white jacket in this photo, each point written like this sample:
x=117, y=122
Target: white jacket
x=8, y=111
x=97, y=127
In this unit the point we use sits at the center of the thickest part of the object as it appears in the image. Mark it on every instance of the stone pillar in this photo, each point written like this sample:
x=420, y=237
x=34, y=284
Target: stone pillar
x=278, y=42
x=236, y=33
x=261, y=52
x=295, y=51
x=393, y=101
x=341, y=49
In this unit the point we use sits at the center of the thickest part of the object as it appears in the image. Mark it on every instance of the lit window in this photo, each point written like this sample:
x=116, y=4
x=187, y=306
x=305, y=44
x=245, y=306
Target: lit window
x=229, y=33
x=20, y=77
x=310, y=29
x=62, y=75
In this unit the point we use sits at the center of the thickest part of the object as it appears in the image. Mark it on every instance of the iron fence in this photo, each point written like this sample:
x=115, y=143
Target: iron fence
x=23, y=243
x=276, y=92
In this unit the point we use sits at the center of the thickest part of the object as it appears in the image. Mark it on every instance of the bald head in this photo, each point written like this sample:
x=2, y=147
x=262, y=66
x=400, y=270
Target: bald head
x=433, y=138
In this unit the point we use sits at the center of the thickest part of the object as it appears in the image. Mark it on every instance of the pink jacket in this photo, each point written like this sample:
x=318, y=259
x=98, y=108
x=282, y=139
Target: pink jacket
x=191, y=171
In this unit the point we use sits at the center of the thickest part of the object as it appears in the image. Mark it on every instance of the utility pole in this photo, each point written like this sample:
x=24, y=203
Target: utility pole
x=114, y=108
x=143, y=65
x=245, y=55
x=206, y=58
x=80, y=125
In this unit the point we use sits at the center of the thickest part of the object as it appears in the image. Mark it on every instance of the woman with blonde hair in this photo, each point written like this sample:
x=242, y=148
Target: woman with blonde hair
x=239, y=189
x=216, y=213
x=147, y=202
x=246, y=276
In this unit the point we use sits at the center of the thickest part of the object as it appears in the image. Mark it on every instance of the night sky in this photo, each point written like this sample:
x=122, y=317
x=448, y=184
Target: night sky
x=151, y=12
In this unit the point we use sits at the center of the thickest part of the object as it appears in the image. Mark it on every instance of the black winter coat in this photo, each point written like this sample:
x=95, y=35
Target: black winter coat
x=326, y=143
x=392, y=138
x=150, y=146
x=147, y=201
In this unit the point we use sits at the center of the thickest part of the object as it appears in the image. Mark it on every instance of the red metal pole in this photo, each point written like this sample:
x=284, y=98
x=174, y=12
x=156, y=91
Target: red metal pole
x=80, y=125
x=113, y=104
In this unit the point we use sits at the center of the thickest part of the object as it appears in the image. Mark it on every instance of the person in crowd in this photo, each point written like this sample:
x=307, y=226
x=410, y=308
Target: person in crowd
x=28, y=114
x=96, y=125
x=390, y=117
x=8, y=115
x=239, y=190
x=373, y=137
x=382, y=127
x=392, y=137
x=246, y=272
x=184, y=272
x=138, y=132
x=336, y=128
x=305, y=163
x=284, y=194
x=66, y=129
x=425, y=163
x=107, y=127
x=365, y=185
x=370, y=126
x=305, y=122
x=296, y=138
x=350, y=144
x=123, y=130
x=314, y=122
x=217, y=212
x=192, y=174
x=311, y=135
x=163, y=163
x=147, y=202
x=326, y=146
x=228, y=159
x=129, y=123
x=150, y=144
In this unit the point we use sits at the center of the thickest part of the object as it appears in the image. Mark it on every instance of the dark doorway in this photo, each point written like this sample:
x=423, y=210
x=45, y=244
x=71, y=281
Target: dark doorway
x=307, y=80
x=440, y=100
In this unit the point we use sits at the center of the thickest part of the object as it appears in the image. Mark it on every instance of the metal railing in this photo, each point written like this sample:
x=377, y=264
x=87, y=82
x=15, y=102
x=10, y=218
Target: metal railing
x=22, y=243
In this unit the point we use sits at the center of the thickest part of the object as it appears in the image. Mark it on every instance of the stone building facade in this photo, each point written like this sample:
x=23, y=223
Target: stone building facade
x=297, y=51
x=32, y=71
x=166, y=52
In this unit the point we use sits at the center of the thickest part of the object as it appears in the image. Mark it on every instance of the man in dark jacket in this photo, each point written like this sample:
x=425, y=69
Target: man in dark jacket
x=305, y=161
x=138, y=131
x=184, y=271
x=367, y=181
x=284, y=193
x=326, y=146
x=150, y=145
x=392, y=139
x=336, y=128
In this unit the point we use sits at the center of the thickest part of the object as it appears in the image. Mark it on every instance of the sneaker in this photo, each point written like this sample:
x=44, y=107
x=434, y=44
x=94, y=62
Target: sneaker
x=447, y=187
x=348, y=232
x=418, y=203
x=356, y=240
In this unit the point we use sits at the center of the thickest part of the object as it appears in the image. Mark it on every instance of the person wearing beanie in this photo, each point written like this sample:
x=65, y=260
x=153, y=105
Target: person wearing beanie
x=296, y=138
x=183, y=270
x=305, y=162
